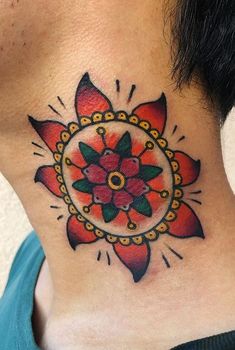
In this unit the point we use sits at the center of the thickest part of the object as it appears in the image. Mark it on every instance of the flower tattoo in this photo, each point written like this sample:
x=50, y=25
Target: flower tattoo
x=118, y=176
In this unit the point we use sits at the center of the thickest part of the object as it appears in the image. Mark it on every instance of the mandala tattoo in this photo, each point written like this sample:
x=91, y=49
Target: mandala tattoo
x=118, y=177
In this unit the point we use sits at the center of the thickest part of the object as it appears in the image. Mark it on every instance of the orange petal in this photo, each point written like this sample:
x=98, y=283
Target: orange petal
x=77, y=233
x=89, y=99
x=189, y=168
x=186, y=223
x=154, y=112
x=135, y=257
x=47, y=176
x=49, y=131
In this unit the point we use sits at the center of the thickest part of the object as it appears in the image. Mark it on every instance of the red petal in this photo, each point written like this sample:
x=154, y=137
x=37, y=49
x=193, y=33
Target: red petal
x=137, y=187
x=95, y=174
x=189, y=168
x=135, y=257
x=49, y=131
x=109, y=160
x=154, y=112
x=89, y=99
x=186, y=223
x=130, y=166
x=102, y=194
x=47, y=176
x=77, y=233
x=122, y=199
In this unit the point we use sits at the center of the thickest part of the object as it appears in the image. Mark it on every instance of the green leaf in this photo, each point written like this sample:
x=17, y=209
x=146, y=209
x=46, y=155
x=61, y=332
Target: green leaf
x=109, y=212
x=88, y=153
x=142, y=205
x=83, y=185
x=124, y=145
x=149, y=172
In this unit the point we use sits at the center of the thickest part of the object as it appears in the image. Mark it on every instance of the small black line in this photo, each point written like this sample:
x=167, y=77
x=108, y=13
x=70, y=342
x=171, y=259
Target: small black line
x=117, y=85
x=60, y=217
x=61, y=102
x=194, y=200
x=38, y=154
x=181, y=138
x=108, y=258
x=54, y=110
x=133, y=87
x=37, y=145
x=166, y=261
x=99, y=256
x=174, y=252
x=54, y=207
x=196, y=192
x=174, y=130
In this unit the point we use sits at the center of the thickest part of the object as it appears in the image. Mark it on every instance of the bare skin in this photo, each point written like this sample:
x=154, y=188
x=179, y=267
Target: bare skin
x=45, y=49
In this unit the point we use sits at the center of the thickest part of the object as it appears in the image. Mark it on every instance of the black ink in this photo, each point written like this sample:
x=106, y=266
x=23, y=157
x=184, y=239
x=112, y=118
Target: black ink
x=61, y=102
x=174, y=130
x=54, y=110
x=38, y=154
x=195, y=200
x=117, y=85
x=60, y=217
x=37, y=145
x=166, y=261
x=99, y=256
x=133, y=87
x=108, y=258
x=174, y=252
x=196, y=192
x=181, y=138
x=54, y=207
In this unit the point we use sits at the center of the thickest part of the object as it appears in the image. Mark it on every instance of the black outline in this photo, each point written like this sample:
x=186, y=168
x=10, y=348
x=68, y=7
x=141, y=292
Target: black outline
x=36, y=180
x=178, y=171
x=162, y=100
x=137, y=276
x=86, y=82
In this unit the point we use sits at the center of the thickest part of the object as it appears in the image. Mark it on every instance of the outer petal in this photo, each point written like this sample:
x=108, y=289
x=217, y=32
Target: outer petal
x=137, y=187
x=47, y=176
x=186, y=224
x=122, y=199
x=77, y=233
x=95, y=174
x=154, y=112
x=189, y=168
x=109, y=160
x=130, y=166
x=102, y=194
x=49, y=131
x=135, y=257
x=89, y=99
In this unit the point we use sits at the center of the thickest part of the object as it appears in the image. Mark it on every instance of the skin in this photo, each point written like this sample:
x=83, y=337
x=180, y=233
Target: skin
x=45, y=48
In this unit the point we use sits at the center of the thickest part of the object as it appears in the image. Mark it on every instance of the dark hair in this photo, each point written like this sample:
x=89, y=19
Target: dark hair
x=203, y=48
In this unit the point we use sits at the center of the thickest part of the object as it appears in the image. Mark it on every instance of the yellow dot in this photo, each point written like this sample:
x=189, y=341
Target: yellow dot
x=164, y=194
x=149, y=145
x=101, y=130
x=68, y=161
x=86, y=209
x=131, y=225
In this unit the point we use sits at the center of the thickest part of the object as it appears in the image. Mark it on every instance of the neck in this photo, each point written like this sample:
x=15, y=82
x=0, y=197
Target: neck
x=86, y=292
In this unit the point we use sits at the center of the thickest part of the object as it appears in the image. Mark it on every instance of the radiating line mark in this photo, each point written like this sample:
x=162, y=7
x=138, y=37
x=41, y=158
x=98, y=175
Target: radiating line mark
x=174, y=130
x=60, y=217
x=194, y=200
x=54, y=110
x=99, y=256
x=181, y=138
x=133, y=87
x=166, y=261
x=38, y=154
x=196, y=192
x=117, y=85
x=37, y=145
x=174, y=252
x=61, y=102
x=108, y=258
x=54, y=207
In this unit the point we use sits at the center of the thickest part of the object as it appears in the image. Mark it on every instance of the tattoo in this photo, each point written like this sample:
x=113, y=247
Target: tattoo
x=119, y=178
